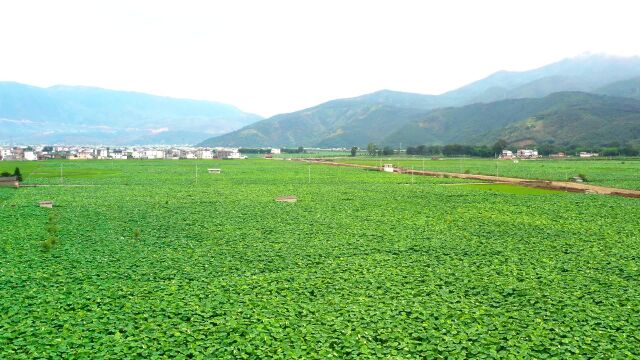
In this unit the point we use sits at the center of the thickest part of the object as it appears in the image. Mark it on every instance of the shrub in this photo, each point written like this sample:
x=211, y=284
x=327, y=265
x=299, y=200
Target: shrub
x=17, y=174
x=53, y=239
x=46, y=245
x=53, y=229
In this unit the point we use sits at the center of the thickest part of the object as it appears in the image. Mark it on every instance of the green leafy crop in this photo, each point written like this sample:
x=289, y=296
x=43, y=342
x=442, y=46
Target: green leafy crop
x=364, y=265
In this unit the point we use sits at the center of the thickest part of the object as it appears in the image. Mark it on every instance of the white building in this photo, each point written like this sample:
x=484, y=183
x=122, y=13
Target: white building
x=229, y=153
x=584, y=154
x=82, y=155
x=235, y=155
x=506, y=154
x=30, y=156
x=276, y=151
x=154, y=154
x=6, y=154
x=135, y=154
x=204, y=154
x=101, y=153
x=527, y=154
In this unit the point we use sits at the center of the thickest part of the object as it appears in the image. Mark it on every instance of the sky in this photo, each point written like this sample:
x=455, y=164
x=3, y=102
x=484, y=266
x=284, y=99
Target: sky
x=276, y=56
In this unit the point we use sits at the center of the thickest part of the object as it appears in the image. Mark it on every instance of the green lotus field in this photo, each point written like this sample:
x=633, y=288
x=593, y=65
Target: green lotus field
x=149, y=259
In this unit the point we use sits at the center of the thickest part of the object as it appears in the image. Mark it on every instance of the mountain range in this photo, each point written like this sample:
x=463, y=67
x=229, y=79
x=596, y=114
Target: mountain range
x=587, y=100
x=85, y=115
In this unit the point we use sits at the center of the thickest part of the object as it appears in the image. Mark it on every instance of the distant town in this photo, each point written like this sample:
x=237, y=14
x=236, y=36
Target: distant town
x=74, y=152
x=69, y=152
x=33, y=153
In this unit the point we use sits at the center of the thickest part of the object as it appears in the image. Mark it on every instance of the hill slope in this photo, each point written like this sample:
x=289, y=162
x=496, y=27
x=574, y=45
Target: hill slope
x=337, y=123
x=374, y=117
x=66, y=114
x=562, y=118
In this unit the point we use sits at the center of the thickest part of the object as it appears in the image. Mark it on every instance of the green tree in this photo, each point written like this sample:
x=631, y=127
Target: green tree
x=17, y=174
x=372, y=149
x=499, y=146
x=387, y=150
x=354, y=151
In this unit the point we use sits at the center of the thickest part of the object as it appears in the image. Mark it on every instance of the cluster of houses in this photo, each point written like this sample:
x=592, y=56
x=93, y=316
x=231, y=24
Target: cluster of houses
x=533, y=154
x=31, y=153
x=520, y=154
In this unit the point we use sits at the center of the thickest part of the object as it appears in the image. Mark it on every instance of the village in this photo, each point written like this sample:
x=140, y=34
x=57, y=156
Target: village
x=33, y=153
x=533, y=154
x=71, y=152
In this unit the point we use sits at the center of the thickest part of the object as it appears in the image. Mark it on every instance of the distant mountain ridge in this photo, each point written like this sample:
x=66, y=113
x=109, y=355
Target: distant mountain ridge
x=626, y=88
x=86, y=115
x=386, y=117
x=582, y=73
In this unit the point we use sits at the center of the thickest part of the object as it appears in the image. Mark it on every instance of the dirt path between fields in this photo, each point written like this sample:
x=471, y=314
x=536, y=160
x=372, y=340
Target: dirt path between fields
x=57, y=185
x=541, y=184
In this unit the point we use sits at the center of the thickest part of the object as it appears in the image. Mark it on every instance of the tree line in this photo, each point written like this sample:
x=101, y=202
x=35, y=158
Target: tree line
x=611, y=149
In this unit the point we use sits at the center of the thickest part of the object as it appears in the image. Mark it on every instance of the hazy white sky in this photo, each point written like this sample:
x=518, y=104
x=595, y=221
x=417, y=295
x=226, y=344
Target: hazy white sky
x=276, y=56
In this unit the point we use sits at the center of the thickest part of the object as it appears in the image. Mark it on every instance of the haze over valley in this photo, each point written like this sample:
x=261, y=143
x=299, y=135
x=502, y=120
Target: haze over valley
x=585, y=100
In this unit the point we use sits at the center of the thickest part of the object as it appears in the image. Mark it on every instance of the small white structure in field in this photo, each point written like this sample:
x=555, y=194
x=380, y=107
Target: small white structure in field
x=46, y=204
x=288, y=198
x=388, y=168
x=214, y=171
x=9, y=181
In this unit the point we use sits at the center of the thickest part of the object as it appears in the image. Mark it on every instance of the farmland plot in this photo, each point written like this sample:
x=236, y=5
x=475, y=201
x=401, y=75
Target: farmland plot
x=624, y=173
x=151, y=262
